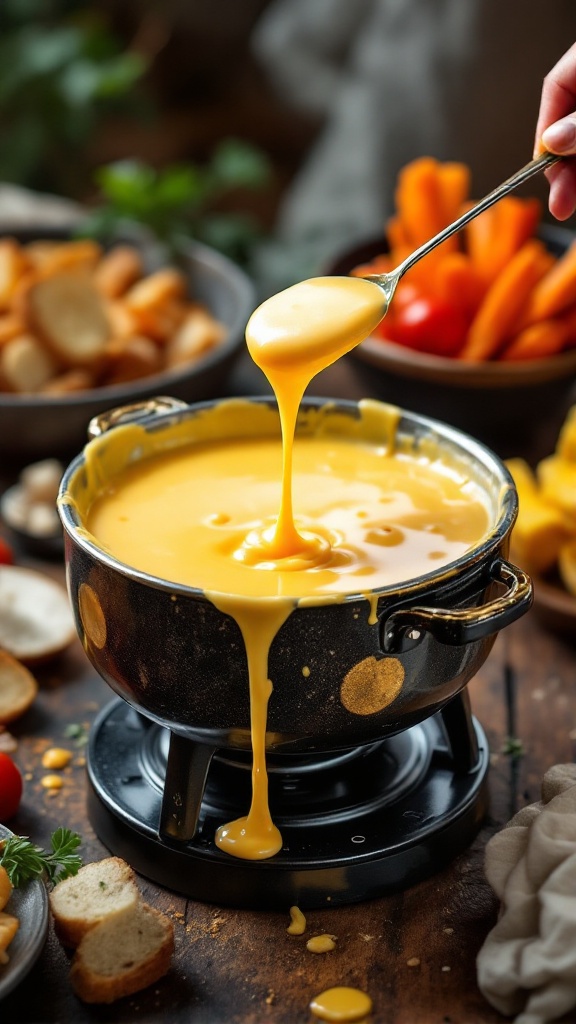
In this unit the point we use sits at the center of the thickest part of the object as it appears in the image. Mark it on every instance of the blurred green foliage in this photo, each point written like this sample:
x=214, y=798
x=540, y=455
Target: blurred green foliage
x=61, y=70
x=178, y=202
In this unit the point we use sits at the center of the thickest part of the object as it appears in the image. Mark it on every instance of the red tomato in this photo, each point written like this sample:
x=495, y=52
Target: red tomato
x=10, y=787
x=425, y=323
x=6, y=555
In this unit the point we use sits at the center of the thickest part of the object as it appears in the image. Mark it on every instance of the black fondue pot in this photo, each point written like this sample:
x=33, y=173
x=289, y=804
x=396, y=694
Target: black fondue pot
x=174, y=657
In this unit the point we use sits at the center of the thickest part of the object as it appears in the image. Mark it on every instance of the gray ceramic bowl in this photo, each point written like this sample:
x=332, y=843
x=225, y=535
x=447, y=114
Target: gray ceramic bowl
x=35, y=427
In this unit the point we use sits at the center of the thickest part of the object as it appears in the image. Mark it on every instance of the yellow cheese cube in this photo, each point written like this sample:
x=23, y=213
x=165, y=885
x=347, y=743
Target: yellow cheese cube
x=540, y=530
x=557, y=480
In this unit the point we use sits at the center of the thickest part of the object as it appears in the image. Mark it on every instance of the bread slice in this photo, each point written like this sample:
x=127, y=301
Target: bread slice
x=18, y=688
x=101, y=890
x=36, y=620
x=122, y=955
x=68, y=313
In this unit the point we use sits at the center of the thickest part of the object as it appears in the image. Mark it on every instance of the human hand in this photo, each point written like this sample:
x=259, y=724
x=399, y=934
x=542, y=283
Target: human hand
x=556, y=131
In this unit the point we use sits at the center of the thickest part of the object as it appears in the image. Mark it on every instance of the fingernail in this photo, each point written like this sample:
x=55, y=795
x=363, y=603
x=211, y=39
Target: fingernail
x=560, y=137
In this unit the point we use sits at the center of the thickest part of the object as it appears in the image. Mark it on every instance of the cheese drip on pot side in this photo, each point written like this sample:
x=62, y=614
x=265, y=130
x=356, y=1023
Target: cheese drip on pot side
x=291, y=338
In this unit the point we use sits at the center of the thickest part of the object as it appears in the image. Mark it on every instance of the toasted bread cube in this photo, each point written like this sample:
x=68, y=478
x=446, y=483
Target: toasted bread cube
x=80, y=256
x=197, y=334
x=160, y=322
x=12, y=265
x=69, y=382
x=131, y=358
x=25, y=365
x=118, y=270
x=157, y=289
x=11, y=325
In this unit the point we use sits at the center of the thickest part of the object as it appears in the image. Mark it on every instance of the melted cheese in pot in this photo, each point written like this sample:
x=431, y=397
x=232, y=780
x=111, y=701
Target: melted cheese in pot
x=219, y=515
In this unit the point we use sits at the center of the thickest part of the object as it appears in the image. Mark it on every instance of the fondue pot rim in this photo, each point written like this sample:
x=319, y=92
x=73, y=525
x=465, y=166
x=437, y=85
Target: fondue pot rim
x=476, y=450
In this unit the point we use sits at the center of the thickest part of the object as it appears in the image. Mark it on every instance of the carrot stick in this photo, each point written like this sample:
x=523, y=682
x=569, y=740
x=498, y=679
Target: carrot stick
x=454, y=186
x=499, y=232
x=419, y=201
x=515, y=221
x=456, y=280
x=396, y=233
x=479, y=238
x=499, y=312
x=555, y=292
x=545, y=338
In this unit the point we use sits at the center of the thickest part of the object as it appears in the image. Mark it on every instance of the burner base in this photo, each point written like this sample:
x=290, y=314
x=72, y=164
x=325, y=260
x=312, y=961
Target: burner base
x=427, y=814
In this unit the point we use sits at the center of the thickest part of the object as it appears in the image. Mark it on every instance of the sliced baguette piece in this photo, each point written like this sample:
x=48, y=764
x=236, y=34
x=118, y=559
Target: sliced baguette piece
x=122, y=955
x=36, y=620
x=100, y=891
x=69, y=315
x=18, y=688
x=25, y=365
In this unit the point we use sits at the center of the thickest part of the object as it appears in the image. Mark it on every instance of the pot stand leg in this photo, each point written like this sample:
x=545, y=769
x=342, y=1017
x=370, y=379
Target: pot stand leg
x=460, y=733
x=186, y=772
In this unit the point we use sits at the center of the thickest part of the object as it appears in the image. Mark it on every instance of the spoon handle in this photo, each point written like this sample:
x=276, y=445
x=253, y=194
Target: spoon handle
x=534, y=167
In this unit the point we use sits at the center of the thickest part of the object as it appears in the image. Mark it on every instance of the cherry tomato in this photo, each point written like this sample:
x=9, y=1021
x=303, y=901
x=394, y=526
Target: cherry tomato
x=10, y=787
x=6, y=554
x=425, y=323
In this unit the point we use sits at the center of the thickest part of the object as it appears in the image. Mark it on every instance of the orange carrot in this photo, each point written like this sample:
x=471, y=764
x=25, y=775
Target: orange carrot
x=419, y=200
x=457, y=280
x=555, y=292
x=545, y=338
x=499, y=312
x=479, y=236
x=498, y=233
x=454, y=187
x=396, y=233
x=515, y=222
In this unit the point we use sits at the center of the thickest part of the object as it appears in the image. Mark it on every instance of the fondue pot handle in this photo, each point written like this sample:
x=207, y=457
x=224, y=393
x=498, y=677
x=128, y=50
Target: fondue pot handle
x=127, y=413
x=461, y=626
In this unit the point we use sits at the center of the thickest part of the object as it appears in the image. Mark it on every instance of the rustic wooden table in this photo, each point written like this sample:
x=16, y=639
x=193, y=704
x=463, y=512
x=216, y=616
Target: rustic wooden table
x=240, y=967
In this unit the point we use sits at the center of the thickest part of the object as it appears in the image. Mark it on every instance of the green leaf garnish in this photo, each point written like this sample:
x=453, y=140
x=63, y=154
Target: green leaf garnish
x=23, y=860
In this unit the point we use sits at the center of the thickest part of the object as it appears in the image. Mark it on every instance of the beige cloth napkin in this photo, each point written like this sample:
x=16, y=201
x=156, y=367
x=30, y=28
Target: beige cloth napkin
x=527, y=965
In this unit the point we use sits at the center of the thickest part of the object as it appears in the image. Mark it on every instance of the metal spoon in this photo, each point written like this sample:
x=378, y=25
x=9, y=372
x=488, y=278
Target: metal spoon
x=388, y=282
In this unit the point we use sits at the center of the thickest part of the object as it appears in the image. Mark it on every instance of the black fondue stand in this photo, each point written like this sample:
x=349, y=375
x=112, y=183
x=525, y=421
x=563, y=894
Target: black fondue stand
x=356, y=824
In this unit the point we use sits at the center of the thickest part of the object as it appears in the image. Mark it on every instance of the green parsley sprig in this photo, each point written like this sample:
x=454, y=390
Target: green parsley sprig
x=23, y=860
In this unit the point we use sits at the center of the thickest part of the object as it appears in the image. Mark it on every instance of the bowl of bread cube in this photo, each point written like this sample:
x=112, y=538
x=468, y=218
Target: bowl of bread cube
x=86, y=327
